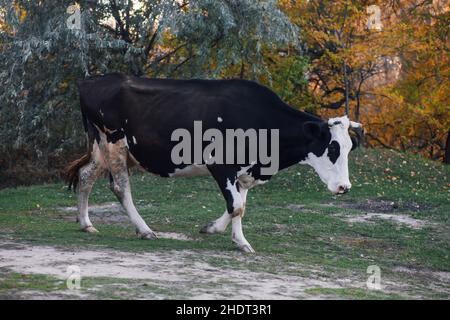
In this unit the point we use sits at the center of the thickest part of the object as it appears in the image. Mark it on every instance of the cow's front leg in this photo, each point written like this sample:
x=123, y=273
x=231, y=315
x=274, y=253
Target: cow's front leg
x=237, y=235
x=235, y=198
x=217, y=226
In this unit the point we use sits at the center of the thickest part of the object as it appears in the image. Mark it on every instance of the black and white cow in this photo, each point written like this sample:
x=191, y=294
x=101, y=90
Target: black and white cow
x=130, y=121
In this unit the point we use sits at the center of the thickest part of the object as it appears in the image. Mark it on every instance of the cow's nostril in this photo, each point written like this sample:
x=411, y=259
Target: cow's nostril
x=343, y=189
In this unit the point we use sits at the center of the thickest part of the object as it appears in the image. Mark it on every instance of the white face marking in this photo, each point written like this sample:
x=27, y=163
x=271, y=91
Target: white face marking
x=334, y=175
x=219, y=119
x=134, y=140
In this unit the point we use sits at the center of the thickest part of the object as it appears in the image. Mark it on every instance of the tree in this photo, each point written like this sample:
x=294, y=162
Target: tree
x=343, y=52
x=47, y=45
x=413, y=114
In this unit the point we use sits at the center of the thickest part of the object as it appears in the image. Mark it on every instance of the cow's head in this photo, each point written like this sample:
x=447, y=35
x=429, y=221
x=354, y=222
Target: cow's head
x=330, y=144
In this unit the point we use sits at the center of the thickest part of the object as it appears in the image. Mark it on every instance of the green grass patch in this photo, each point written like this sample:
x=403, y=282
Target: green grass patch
x=292, y=219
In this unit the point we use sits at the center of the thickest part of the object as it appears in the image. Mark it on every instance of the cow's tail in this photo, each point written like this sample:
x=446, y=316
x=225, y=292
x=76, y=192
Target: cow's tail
x=71, y=173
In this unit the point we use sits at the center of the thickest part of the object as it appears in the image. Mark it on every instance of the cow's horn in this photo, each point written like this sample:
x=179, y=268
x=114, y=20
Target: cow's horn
x=354, y=124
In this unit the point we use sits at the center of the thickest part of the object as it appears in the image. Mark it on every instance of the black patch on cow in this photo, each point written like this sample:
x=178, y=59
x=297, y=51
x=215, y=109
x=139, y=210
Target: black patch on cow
x=114, y=136
x=334, y=151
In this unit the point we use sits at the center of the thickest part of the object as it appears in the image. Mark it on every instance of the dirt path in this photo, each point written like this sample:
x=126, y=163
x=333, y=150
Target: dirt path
x=187, y=274
x=176, y=274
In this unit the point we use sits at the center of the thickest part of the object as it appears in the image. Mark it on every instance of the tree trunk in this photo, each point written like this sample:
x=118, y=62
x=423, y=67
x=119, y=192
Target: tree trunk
x=447, y=149
x=347, y=107
x=358, y=106
x=242, y=73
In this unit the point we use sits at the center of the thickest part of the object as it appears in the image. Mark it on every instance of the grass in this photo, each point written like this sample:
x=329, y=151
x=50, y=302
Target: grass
x=15, y=285
x=313, y=233
x=351, y=293
x=17, y=281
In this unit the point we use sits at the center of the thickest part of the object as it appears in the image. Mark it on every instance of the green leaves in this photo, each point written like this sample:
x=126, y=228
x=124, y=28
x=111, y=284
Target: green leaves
x=41, y=50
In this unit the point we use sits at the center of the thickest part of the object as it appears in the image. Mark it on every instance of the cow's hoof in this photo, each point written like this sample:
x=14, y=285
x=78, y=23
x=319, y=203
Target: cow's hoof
x=247, y=248
x=208, y=228
x=90, y=229
x=148, y=236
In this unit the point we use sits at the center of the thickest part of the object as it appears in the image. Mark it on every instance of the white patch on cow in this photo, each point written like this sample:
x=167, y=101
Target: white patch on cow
x=246, y=181
x=141, y=227
x=134, y=140
x=219, y=119
x=244, y=170
x=190, y=171
x=259, y=182
x=334, y=175
x=237, y=235
x=221, y=224
x=237, y=199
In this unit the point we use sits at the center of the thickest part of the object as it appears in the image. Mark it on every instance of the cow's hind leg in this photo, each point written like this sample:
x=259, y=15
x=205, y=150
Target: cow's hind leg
x=88, y=174
x=117, y=155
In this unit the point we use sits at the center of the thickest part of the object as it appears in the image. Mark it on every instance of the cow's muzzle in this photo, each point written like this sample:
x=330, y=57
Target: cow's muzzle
x=343, y=189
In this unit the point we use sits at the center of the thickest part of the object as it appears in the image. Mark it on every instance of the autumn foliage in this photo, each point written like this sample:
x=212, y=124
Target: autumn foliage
x=414, y=112
x=395, y=55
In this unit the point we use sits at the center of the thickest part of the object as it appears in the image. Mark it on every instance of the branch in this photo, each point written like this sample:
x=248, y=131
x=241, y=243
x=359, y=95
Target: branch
x=151, y=43
x=333, y=105
x=115, y=12
x=380, y=142
x=170, y=53
x=109, y=28
x=181, y=64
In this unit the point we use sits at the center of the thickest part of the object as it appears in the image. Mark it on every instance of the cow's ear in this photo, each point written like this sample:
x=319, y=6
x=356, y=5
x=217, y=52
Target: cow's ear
x=312, y=130
x=356, y=134
x=355, y=142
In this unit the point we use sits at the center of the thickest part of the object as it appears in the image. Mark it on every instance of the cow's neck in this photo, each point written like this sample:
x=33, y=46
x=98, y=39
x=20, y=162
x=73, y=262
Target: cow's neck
x=291, y=155
x=293, y=145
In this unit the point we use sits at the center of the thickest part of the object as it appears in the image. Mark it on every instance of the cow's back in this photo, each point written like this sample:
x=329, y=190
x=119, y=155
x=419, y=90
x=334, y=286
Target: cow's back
x=234, y=101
